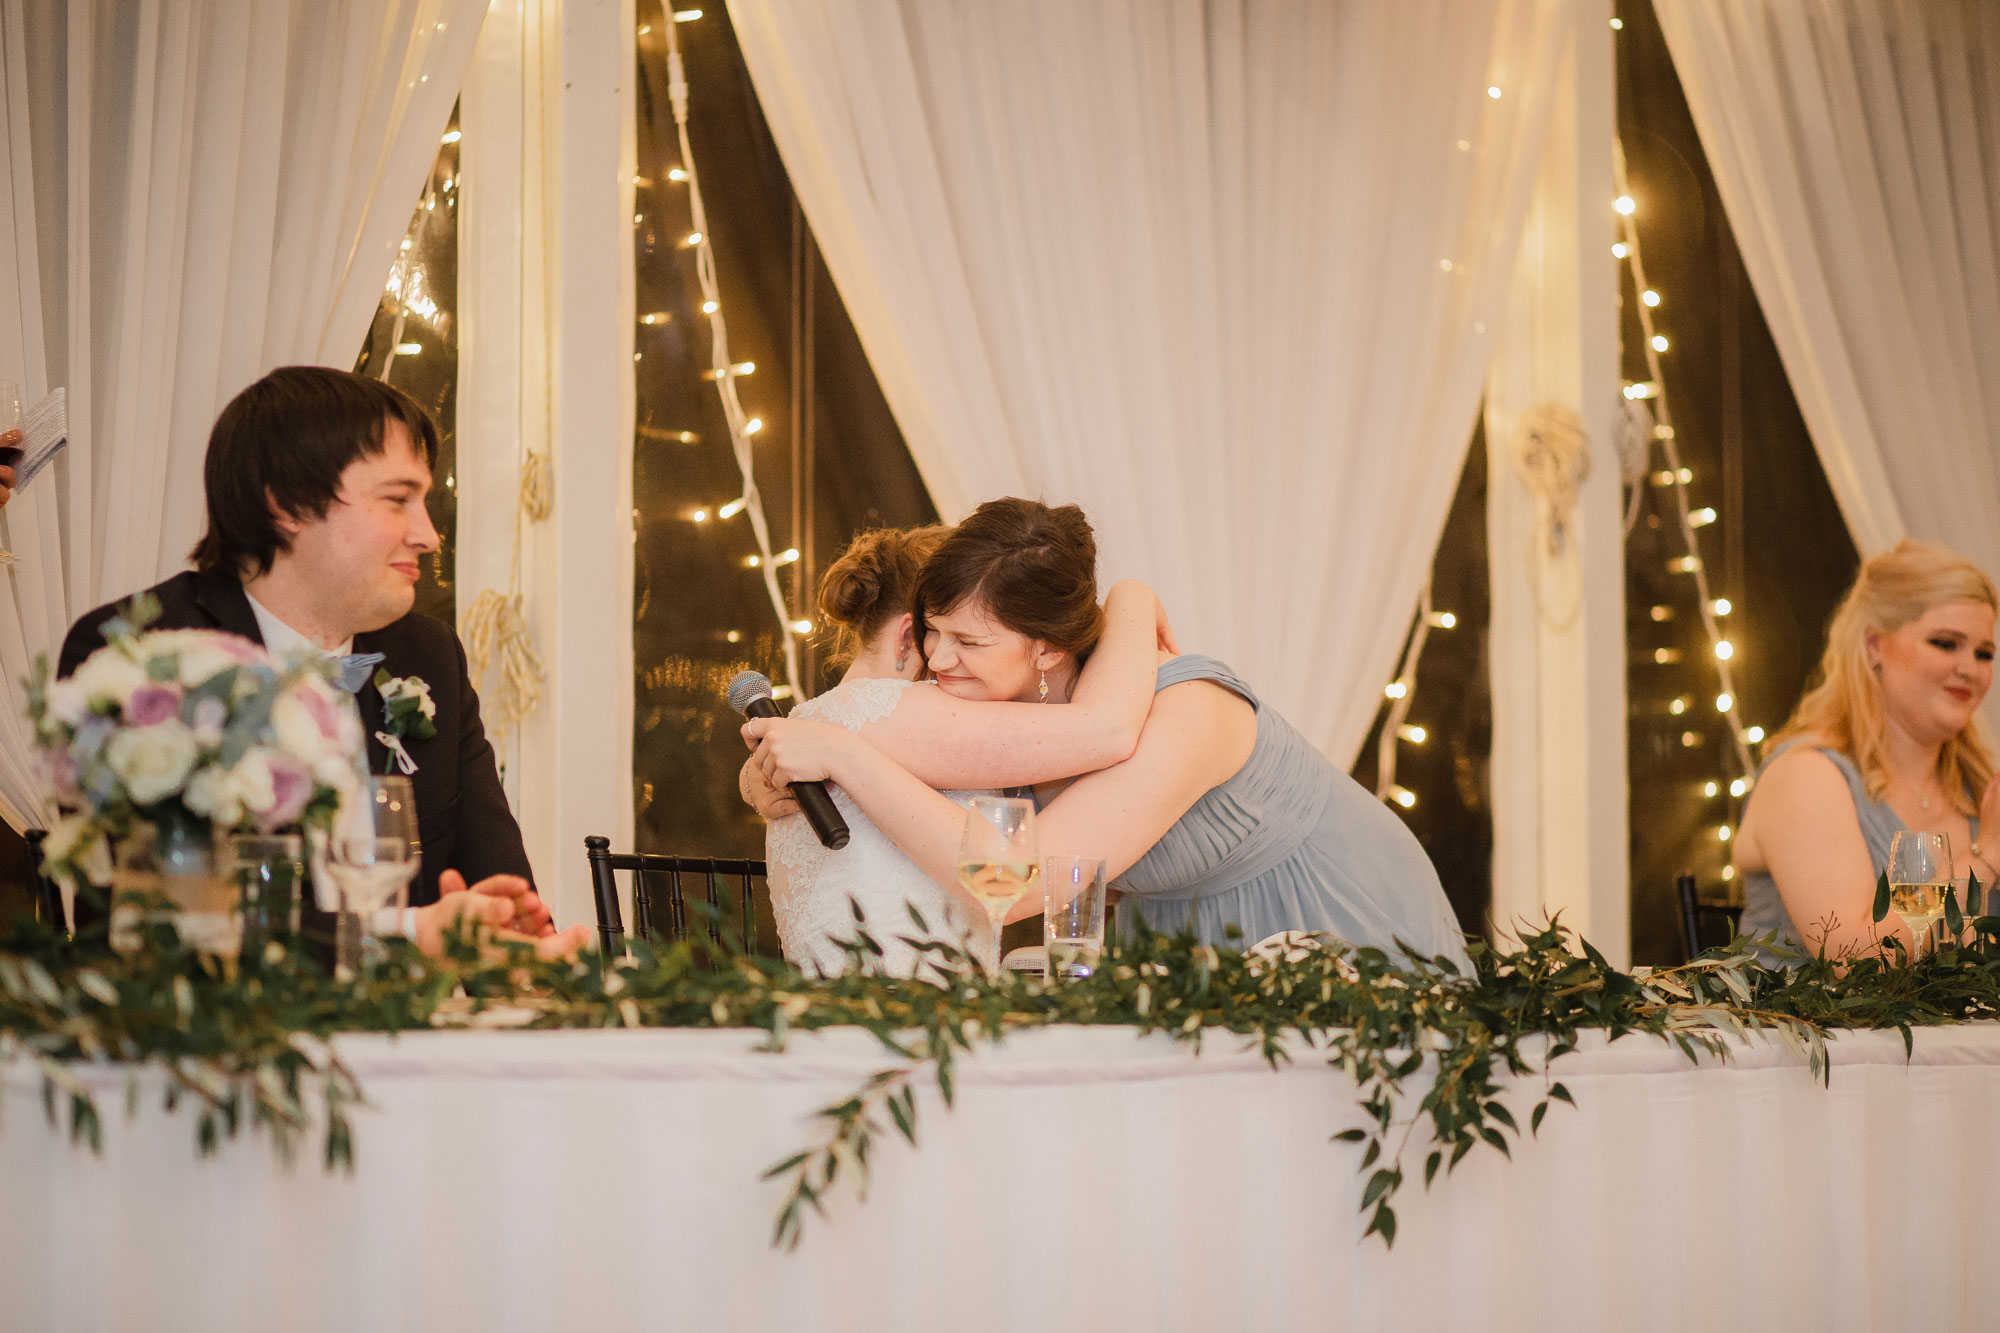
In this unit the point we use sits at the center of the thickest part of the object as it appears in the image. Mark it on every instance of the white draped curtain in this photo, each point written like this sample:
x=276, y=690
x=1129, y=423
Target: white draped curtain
x=1223, y=271
x=1856, y=145
x=198, y=192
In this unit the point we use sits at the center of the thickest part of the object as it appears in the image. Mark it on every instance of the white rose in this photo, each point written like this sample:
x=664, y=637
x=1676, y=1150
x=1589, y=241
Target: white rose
x=253, y=778
x=409, y=687
x=202, y=660
x=152, y=762
x=75, y=839
x=108, y=676
x=295, y=731
x=212, y=794
x=68, y=702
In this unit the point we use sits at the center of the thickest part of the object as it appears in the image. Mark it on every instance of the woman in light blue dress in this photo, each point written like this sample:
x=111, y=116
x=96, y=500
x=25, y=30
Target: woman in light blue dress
x=1888, y=739
x=1224, y=819
x=1287, y=842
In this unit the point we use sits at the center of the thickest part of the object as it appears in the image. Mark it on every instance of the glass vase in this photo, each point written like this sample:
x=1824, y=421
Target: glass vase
x=169, y=872
x=268, y=872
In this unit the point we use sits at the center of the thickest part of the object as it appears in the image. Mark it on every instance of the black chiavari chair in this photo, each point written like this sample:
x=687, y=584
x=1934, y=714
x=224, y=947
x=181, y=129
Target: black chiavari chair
x=737, y=889
x=1699, y=917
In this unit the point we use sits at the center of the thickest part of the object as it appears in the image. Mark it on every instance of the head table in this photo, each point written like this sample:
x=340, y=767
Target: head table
x=1086, y=1177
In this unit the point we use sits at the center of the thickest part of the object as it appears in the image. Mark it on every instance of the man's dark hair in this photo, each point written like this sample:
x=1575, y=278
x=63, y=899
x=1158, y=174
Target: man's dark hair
x=284, y=441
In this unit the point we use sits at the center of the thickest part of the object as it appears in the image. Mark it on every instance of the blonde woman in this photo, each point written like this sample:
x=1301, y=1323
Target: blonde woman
x=1888, y=739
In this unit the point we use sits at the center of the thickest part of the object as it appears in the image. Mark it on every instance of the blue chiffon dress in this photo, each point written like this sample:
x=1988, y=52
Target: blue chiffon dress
x=1764, y=910
x=1289, y=842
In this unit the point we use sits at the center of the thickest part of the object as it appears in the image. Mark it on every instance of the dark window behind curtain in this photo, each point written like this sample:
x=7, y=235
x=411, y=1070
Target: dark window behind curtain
x=1778, y=550
x=829, y=460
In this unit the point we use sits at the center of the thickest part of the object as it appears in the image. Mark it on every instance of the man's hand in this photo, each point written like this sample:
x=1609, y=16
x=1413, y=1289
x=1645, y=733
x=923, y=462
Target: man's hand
x=499, y=908
x=768, y=799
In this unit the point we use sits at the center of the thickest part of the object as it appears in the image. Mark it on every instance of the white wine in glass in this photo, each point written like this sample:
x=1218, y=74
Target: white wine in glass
x=1919, y=877
x=997, y=864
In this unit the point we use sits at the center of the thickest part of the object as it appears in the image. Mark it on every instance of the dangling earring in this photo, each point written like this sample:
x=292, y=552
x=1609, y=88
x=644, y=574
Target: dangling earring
x=1043, y=687
x=901, y=661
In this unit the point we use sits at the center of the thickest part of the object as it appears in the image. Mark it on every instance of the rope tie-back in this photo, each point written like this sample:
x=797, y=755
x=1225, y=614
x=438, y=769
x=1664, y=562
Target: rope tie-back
x=1635, y=453
x=1552, y=456
x=538, y=487
x=494, y=629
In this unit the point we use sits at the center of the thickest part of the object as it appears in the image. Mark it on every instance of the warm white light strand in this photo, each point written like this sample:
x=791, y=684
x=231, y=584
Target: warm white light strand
x=1720, y=648
x=741, y=426
x=1401, y=692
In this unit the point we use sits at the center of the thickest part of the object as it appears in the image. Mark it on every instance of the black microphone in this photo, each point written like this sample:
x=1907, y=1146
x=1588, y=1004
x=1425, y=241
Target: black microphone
x=750, y=695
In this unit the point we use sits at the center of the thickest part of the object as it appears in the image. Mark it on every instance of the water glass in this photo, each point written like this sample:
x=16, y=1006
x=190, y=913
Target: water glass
x=370, y=856
x=1072, y=914
x=269, y=872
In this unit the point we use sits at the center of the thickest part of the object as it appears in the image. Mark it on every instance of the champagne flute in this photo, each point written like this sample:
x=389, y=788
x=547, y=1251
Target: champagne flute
x=10, y=441
x=371, y=855
x=1919, y=877
x=996, y=860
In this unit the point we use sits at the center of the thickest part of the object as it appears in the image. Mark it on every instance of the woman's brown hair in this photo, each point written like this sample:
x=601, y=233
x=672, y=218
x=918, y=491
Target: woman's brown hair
x=1035, y=568
x=872, y=583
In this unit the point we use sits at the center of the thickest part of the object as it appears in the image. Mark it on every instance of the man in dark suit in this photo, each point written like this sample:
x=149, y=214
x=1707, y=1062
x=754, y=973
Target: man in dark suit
x=316, y=481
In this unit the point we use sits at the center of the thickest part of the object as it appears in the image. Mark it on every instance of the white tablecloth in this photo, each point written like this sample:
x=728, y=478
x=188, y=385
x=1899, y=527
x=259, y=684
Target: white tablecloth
x=1086, y=1179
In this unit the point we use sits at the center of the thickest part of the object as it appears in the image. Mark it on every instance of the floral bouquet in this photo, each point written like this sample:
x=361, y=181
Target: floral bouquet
x=196, y=733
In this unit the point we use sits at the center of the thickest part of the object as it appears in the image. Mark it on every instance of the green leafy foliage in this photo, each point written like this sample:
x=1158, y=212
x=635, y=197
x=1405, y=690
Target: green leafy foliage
x=1434, y=1055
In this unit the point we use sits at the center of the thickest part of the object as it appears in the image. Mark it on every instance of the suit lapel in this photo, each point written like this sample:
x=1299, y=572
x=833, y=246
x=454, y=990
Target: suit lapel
x=222, y=599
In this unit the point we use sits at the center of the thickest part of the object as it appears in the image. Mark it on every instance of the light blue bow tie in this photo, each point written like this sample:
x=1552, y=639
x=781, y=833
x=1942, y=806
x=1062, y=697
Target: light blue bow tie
x=353, y=670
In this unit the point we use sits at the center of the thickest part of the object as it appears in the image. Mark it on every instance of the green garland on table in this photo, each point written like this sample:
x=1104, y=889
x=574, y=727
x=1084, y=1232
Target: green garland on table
x=245, y=1042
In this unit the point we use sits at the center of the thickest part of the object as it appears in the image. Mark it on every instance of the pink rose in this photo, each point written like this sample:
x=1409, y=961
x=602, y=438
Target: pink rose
x=152, y=704
x=291, y=788
x=242, y=649
x=321, y=705
x=59, y=768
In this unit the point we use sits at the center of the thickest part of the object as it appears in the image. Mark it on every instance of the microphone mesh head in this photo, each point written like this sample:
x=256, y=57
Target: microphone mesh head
x=746, y=688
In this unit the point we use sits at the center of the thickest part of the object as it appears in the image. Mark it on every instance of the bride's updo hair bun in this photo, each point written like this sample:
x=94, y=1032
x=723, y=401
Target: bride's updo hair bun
x=872, y=583
x=1033, y=565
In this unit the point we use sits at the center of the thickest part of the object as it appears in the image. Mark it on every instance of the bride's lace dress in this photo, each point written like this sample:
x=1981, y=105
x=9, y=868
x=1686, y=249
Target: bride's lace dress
x=811, y=886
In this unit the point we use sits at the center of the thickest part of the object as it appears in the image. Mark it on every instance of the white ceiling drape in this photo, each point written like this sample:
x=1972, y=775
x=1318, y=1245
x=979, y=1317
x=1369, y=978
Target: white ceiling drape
x=1222, y=272
x=1856, y=146
x=197, y=193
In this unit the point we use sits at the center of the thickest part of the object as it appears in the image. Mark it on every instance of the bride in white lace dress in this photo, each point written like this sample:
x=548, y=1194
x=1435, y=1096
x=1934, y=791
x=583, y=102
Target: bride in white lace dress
x=866, y=595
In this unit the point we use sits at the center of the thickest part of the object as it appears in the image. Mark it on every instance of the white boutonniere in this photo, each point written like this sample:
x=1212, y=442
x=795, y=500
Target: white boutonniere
x=407, y=712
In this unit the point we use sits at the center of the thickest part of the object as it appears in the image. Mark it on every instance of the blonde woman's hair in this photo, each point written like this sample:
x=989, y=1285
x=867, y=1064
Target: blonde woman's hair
x=1844, y=711
x=873, y=582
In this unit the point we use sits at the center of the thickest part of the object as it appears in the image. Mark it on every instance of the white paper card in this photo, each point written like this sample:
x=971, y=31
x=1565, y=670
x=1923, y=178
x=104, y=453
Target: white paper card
x=43, y=436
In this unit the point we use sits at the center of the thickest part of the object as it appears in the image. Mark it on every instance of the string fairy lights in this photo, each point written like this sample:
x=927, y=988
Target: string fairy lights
x=724, y=370
x=1646, y=402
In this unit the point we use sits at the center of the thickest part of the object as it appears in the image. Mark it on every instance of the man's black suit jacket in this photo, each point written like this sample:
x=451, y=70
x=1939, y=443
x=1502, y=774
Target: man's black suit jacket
x=461, y=810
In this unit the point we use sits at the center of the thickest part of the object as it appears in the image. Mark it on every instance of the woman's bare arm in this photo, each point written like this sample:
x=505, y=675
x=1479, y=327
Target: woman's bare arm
x=1197, y=735
x=1800, y=825
x=951, y=742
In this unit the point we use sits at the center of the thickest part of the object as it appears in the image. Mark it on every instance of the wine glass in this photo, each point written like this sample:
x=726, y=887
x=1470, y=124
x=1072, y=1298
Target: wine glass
x=1919, y=876
x=996, y=860
x=371, y=855
x=10, y=441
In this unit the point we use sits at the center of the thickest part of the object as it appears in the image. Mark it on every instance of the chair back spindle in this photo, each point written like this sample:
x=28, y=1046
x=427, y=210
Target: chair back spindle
x=660, y=895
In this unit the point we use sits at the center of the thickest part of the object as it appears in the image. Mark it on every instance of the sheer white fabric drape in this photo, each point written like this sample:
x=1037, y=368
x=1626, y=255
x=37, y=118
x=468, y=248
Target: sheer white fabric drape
x=1222, y=272
x=1856, y=145
x=198, y=193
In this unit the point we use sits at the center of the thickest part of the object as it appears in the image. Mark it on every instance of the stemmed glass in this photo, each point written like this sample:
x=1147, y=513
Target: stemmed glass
x=1919, y=876
x=997, y=864
x=371, y=856
x=10, y=441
